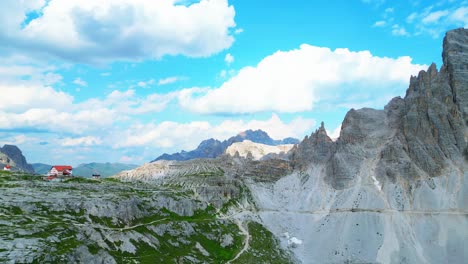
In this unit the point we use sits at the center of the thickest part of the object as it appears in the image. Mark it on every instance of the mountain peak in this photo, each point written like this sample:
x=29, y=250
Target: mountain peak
x=212, y=148
x=13, y=156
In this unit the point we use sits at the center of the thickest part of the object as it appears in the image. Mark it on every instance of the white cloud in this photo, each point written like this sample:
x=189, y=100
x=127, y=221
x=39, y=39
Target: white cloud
x=296, y=80
x=411, y=17
x=189, y=135
x=105, y=74
x=380, y=23
x=23, y=96
x=81, y=31
x=80, y=82
x=144, y=84
x=433, y=22
x=35, y=107
x=460, y=15
x=434, y=17
x=229, y=59
x=80, y=141
x=18, y=140
x=335, y=134
x=398, y=30
x=15, y=68
x=168, y=80
x=238, y=31
x=55, y=120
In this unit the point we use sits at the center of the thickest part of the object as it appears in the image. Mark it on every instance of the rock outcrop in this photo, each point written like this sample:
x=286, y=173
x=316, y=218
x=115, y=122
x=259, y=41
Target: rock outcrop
x=314, y=149
x=12, y=155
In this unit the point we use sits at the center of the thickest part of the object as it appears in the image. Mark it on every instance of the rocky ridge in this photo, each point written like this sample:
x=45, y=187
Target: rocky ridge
x=213, y=148
x=12, y=155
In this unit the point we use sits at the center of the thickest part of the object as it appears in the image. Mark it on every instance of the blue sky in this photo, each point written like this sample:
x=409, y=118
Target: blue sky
x=125, y=81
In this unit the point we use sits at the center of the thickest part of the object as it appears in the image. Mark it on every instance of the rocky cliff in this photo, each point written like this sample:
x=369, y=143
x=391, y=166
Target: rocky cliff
x=12, y=155
x=394, y=184
x=212, y=148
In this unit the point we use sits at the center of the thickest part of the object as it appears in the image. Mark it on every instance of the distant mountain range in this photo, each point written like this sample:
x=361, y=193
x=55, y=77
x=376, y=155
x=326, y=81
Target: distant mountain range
x=41, y=168
x=86, y=170
x=212, y=148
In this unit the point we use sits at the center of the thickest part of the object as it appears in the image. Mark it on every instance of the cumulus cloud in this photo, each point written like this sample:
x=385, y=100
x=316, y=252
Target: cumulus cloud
x=334, y=134
x=187, y=135
x=33, y=106
x=82, y=30
x=20, y=97
x=297, y=80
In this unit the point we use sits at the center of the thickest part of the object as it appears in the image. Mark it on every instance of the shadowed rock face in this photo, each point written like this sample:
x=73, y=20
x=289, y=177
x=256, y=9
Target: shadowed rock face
x=314, y=149
x=13, y=156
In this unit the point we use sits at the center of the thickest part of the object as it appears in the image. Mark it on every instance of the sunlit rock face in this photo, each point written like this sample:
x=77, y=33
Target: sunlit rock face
x=393, y=187
x=256, y=150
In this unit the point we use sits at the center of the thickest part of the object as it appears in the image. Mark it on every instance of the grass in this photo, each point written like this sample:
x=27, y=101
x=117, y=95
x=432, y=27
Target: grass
x=264, y=247
x=80, y=180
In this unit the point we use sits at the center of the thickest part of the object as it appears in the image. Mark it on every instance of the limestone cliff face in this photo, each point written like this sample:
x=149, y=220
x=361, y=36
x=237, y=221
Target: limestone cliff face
x=12, y=155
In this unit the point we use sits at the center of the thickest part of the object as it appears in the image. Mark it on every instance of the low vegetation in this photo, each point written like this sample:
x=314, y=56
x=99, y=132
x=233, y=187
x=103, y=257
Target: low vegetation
x=77, y=219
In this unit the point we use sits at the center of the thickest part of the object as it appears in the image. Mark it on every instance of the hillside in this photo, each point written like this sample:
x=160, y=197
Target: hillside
x=212, y=148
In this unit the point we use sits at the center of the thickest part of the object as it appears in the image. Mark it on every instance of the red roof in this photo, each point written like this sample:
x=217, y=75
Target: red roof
x=62, y=167
x=8, y=166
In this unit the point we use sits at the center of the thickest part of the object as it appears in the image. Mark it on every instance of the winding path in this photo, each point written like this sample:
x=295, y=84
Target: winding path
x=246, y=240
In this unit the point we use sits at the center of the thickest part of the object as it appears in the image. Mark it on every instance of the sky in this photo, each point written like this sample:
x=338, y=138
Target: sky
x=128, y=80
